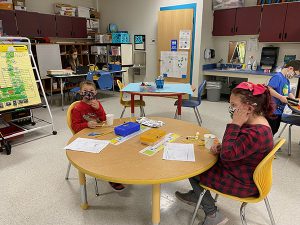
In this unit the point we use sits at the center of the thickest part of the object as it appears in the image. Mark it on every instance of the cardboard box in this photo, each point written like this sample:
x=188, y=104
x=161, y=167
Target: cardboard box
x=19, y=3
x=64, y=9
x=22, y=8
x=6, y=6
x=94, y=14
x=83, y=12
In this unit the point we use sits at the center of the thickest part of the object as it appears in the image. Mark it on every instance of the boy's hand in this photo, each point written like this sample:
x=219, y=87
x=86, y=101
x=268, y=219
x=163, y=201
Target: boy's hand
x=216, y=149
x=92, y=124
x=94, y=104
x=240, y=116
x=283, y=99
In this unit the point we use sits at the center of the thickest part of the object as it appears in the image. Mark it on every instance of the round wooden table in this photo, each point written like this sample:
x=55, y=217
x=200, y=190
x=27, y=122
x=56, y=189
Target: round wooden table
x=124, y=164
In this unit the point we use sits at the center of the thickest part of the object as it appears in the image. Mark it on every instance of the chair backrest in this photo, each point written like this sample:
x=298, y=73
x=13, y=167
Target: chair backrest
x=69, y=120
x=105, y=81
x=263, y=173
x=121, y=86
x=200, y=90
x=90, y=76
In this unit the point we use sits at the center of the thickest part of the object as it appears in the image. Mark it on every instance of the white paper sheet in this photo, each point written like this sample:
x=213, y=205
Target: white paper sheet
x=174, y=64
x=87, y=145
x=179, y=152
x=185, y=39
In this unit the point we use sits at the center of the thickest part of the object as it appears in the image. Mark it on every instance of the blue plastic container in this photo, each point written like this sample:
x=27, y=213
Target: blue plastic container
x=120, y=38
x=114, y=67
x=127, y=129
x=159, y=83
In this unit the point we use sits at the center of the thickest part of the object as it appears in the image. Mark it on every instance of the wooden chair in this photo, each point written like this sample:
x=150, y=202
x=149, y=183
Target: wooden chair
x=127, y=103
x=262, y=178
x=69, y=122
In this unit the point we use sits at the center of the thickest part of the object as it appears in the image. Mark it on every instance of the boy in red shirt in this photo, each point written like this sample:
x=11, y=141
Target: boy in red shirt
x=89, y=113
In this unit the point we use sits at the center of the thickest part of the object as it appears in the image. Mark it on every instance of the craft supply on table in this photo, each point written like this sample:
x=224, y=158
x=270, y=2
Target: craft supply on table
x=109, y=119
x=146, y=87
x=151, y=137
x=87, y=145
x=210, y=140
x=119, y=139
x=160, y=82
x=179, y=152
x=149, y=123
x=127, y=129
x=152, y=150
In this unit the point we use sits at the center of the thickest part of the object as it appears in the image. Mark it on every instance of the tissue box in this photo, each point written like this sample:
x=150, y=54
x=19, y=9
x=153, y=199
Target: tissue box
x=127, y=129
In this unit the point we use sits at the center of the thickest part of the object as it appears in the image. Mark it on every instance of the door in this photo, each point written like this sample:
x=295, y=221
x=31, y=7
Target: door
x=47, y=25
x=247, y=20
x=224, y=22
x=8, y=22
x=292, y=26
x=64, y=26
x=272, y=23
x=79, y=28
x=170, y=23
x=28, y=23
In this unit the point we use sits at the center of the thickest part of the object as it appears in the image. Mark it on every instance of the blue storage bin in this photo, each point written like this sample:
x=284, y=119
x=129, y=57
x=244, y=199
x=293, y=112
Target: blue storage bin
x=120, y=38
x=127, y=129
x=114, y=67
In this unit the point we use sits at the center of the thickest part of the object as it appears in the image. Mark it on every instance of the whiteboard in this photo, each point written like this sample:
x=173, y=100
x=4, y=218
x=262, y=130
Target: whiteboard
x=48, y=57
x=174, y=64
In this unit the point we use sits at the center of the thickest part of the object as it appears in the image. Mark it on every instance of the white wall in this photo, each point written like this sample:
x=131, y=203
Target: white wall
x=141, y=17
x=47, y=6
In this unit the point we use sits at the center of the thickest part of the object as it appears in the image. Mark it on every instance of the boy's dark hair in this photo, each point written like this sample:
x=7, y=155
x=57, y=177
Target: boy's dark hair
x=263, y=104
x=294, y=63
x=87, y=82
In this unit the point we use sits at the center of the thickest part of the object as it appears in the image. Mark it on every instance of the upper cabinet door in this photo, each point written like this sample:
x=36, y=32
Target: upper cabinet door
x=47, y=25
x=8, y=22
x=292, y=25
x=79, y=27
x=272, y=23
x=28, y=23
x=64, y=26
x=224, y=22
x=247, y=20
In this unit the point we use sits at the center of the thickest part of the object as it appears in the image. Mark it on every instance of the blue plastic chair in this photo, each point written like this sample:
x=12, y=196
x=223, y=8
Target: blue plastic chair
x=193, y=103
x=105, y=81
x=89, y=77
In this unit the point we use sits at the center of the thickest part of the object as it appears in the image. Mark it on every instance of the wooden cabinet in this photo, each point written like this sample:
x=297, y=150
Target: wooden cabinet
x=64, y=26
x=9, y=22
x=71, y=27
x=28, y=24
x=247, y=21
x=47, y=25
x=272, y=23
x=240, y=21
x=292, y=25
x=224, y=22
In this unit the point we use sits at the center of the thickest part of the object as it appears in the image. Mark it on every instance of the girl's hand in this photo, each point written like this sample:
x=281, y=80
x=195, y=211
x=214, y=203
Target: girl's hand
x=94, y=104
x=216, y=149
x=92, y=124
x=240, y=116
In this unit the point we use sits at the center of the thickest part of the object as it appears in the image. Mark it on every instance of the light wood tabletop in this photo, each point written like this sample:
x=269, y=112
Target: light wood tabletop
x=124, y=164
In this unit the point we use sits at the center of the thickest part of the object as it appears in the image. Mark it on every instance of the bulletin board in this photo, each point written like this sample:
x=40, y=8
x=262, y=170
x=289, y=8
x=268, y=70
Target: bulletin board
x=18, y=87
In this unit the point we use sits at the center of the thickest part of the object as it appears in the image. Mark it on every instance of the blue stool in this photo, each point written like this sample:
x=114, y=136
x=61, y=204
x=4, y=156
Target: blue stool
x=105, y=81
x=293, y=119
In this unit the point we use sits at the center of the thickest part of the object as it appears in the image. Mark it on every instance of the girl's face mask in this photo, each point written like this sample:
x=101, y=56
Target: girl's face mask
x=88, y=95
x=231, y=110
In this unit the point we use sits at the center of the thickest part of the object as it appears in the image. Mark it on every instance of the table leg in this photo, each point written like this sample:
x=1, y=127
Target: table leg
x=155, y=204
x=132, y=105
x=179, y=106
x=51, y=90
x=62, y=94
x=83, y=194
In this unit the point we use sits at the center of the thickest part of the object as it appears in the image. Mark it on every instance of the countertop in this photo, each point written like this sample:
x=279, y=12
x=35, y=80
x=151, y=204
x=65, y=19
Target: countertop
x=238, y=71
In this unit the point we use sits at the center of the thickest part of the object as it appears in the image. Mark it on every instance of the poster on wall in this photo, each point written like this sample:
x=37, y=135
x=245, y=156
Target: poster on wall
x=185, y=39
x=227, y=4
x=174, y=64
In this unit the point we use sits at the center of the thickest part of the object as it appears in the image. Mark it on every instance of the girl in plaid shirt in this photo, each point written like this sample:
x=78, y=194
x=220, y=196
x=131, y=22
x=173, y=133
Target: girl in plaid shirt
x=247, y=140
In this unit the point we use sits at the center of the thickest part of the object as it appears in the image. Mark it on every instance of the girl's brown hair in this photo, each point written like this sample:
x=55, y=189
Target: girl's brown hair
x=263, y=104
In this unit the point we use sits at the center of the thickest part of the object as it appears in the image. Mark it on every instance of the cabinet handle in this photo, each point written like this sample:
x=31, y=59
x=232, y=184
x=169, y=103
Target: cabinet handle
x=280, y=36
x=285, y=35
x=236, y=29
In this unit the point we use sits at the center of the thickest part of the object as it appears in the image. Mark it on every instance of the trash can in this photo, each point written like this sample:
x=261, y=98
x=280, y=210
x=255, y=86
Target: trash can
x=213, y=91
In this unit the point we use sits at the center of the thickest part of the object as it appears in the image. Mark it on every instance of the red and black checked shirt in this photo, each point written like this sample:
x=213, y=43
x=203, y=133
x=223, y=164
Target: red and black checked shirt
x=243, y=148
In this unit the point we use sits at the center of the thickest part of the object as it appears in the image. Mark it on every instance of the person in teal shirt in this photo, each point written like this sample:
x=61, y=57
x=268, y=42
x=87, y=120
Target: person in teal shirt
x=279, y=86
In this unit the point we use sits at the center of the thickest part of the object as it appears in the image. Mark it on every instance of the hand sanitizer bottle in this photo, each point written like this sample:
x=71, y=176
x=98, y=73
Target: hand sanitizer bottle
x=254, y=65
x=249, y=64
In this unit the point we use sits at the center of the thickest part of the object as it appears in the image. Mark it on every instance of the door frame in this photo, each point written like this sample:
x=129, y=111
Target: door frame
x=187, y=6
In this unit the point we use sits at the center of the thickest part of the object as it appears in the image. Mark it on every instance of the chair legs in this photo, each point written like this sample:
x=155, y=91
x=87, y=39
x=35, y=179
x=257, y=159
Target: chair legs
x=122, y=114
x=96, y=187
x=197, y=206
x=269, y=211
x=68, y=171
x=290, y=140
x=243, y=213
x=142, y=111
x=197, y=116
x=175, y=116
x=282, y=130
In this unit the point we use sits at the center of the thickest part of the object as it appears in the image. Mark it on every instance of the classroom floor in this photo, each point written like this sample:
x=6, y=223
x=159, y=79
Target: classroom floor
x=33, y=190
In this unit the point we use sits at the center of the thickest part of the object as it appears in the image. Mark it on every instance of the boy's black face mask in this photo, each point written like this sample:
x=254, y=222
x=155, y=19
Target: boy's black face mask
x=88, y=95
